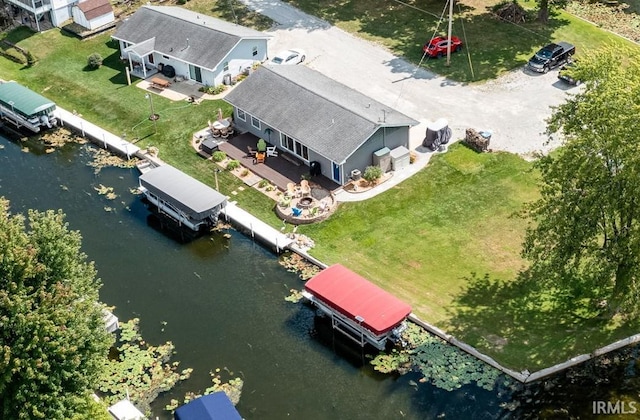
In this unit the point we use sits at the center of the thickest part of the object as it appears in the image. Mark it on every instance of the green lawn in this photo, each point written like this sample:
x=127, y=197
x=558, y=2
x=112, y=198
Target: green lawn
x=445, y=240
x=491, y=47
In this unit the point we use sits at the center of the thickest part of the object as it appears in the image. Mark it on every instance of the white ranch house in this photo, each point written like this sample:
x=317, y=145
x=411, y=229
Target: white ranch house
x=199, y=47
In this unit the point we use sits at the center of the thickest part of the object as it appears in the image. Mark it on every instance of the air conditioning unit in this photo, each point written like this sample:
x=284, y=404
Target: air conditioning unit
x=356, y=174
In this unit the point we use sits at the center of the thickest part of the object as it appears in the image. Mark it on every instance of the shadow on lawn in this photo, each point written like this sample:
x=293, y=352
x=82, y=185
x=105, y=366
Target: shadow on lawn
x=531, y=322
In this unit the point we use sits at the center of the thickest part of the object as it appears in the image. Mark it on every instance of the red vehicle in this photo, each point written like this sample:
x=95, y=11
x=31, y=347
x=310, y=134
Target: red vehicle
x=437, y=47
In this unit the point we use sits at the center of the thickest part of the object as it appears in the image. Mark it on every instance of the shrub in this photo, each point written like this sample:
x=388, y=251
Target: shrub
x=219, y=156
x=244, y=172
x=213, y=90
x=233, y=164
x=285, y=202
x=263, y=183
x=94, y=61
x=31, y=59
x=372, y=174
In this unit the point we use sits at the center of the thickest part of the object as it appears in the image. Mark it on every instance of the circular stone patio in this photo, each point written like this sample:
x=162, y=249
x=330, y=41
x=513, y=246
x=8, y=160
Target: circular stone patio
x=315, y=207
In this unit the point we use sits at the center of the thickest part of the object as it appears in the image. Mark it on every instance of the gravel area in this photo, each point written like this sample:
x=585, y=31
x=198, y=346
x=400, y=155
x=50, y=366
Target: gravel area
x=514, y=107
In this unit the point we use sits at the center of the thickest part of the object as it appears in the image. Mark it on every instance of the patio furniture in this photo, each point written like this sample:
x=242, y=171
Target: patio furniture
x=271, y=151
x=250, y=152
x=159, y=83
x=305, y=188
x=224, y=133
x=260, y=156
x=292, y=191
x=221, y=124
x=296, y=211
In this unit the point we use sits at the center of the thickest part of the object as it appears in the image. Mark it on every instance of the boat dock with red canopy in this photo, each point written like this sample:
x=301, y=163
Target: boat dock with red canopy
x=358, y=308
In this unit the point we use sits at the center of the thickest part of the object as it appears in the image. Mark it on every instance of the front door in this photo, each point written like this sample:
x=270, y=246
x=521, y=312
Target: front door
x=195, y=73
x=336, y=172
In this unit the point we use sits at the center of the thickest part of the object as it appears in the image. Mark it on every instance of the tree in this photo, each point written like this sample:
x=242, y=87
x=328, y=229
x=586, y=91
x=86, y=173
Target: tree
x=586, y=223
x=53, y=341
x=545, y=6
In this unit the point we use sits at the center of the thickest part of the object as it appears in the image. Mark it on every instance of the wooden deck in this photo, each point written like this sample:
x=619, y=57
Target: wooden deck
x=280, y=169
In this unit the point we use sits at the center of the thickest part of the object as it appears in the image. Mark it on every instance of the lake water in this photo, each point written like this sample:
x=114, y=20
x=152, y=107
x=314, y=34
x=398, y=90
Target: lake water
x=221, y=302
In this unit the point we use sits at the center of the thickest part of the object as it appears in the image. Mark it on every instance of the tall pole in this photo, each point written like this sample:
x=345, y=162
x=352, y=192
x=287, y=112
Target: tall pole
x=153, y=114
x=449, y=34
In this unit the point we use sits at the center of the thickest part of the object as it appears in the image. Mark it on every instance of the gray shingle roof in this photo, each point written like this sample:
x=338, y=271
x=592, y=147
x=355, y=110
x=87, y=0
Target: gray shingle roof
x=188, y=194
x=328, y=117
x=188, y=36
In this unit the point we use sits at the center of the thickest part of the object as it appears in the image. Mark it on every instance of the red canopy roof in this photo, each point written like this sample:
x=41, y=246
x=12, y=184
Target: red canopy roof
x=354, y=296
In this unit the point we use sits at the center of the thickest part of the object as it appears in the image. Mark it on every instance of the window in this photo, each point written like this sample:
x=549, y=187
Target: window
x=225, y=66
x=255, y=51
x=241, y=114
x=165, y=57
x=294, y=147
x=255, y=122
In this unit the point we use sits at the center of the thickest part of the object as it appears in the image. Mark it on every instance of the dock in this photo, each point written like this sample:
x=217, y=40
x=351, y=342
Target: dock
x=98, y=135
x=256, y=228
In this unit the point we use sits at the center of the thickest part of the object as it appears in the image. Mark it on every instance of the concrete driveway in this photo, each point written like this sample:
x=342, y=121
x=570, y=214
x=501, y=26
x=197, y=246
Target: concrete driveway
x=514, y=107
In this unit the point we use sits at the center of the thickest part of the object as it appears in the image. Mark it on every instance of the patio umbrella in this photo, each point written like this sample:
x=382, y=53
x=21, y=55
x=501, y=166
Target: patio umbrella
x=262, y=145
x=219, y=114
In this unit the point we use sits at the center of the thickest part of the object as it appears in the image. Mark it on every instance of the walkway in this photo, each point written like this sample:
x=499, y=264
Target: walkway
x=100, y=136
x=256, y=227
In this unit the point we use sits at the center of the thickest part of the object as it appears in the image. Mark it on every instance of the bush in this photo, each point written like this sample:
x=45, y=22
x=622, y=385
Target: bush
x=94, y=61
x=263, y=183
x=31, y=59
x=244, y=173
x=213, y=90
x=372, y=174
x=219, y=156
x=233, y=164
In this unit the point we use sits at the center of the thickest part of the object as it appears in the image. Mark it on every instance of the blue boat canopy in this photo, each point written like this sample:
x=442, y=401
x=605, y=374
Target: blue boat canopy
x=216, y=406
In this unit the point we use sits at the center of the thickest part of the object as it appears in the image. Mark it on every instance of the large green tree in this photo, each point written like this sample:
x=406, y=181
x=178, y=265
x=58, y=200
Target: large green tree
x=53, y=341
x=586, y=225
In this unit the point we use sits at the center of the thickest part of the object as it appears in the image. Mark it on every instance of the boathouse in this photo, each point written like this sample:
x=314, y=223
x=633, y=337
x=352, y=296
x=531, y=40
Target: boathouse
x=23, y=107
x=358, y=308
x=216, y=406
x=181, y=197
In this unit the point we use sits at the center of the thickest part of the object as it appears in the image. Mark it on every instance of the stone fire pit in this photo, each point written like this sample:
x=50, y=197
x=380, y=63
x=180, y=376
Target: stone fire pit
x=315, y=207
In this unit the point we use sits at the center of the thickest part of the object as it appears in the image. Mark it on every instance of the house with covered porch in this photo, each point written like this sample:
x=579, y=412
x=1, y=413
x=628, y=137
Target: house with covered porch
x=197, y=47
x=316, y=120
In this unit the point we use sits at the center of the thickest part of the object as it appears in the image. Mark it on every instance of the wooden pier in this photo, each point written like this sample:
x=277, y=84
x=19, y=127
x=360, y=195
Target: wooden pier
x=256, y=228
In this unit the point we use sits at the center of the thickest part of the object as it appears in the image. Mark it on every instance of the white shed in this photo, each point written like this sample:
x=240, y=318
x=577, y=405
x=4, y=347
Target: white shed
x=93, y=14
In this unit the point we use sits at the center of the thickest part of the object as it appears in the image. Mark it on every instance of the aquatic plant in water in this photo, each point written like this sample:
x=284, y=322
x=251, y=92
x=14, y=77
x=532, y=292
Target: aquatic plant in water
x=443, y=365
x=294, y=263
x=139, y=370
x=232, y=387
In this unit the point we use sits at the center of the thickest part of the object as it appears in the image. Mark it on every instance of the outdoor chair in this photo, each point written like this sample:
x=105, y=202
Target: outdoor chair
x=260, y=157
x=224, y=133
x=292, y=191
x=251, y=152
x=305, y=188
x=271, y=151
x=296, y=211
